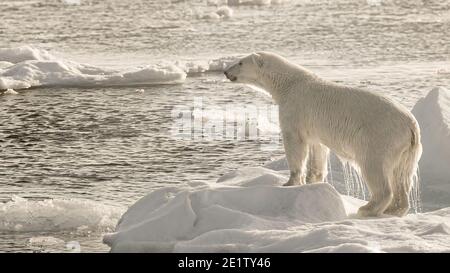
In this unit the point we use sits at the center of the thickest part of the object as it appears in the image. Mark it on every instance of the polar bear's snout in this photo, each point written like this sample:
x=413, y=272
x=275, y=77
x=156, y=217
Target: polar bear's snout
x=229, y=74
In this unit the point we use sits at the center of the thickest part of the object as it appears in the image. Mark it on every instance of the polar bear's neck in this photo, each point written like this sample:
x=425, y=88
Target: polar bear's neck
x=280, y=83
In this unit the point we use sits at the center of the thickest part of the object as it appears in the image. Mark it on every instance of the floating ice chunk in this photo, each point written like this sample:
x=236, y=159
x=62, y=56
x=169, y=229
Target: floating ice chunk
x=72, y=2
x=73, y=246
x=10, y=91
x=4, y=64
x=23, y=215
x=8, y=83
x=193, y=67
x=443, y=71
x=374, y=2
x=215, y=65
x=225, y=12
x=221, y=63
x=211, y=16
x=33, y=68
x=23, y=53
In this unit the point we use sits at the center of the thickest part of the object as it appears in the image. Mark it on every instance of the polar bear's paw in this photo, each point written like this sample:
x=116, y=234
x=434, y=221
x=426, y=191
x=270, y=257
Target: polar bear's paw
x=295, y=180
x=368, y=211
x=396, y=211
x=289, y=183
x=399, y=205
x=315, y=177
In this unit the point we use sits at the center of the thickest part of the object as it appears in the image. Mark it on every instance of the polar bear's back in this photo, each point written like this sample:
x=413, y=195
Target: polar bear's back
x=369, y=105
x=334, y=114
x=347, y=112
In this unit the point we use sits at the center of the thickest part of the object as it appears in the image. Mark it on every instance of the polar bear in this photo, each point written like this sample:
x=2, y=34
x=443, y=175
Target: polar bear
x=377, y=135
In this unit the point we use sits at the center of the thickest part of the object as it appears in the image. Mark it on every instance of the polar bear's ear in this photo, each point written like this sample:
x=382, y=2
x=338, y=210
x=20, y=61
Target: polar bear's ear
x=257, y=59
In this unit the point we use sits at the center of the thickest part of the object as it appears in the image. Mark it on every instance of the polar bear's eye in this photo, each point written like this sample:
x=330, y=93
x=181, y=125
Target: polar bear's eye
x=240, y=63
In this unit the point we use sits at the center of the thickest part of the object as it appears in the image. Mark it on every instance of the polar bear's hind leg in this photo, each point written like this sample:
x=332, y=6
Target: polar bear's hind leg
x=378, y=181
x=403, y=179
x=400, y=203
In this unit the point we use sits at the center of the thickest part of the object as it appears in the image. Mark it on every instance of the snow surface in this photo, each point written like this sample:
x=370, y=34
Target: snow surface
x=23, y=215
x=27, y=66
x=247, y=210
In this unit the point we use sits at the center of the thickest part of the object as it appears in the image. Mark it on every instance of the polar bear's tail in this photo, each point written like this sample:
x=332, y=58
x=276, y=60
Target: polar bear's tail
x=406, y=178
x=415, y=152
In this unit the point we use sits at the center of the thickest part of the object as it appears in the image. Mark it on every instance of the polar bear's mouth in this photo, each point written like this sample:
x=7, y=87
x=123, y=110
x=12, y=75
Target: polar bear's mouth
x=230, y=77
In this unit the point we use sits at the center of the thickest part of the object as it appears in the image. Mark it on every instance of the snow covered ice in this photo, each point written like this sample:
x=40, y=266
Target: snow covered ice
x=215, y=65
x=239, y=215
x=10, y=91
x=247, y=210
x=25, y=67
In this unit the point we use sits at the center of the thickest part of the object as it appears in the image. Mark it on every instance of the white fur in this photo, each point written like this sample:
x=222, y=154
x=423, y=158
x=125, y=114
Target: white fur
x=381, y=137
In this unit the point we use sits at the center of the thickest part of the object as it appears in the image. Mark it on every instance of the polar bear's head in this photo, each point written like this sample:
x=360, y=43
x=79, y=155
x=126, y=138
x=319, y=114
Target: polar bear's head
x=254, y=68
x=246, y=70
x=268, y=71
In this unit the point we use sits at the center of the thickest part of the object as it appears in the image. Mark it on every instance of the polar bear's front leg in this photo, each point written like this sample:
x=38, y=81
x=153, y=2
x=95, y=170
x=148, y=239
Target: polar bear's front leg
x=296, y=153
x=317, y=163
